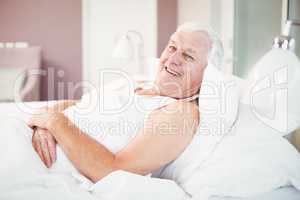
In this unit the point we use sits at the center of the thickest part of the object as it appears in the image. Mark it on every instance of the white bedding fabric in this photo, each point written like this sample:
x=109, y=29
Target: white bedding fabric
x=285, y=193
x=33, y=181
x=252, y=159
x=118, y=185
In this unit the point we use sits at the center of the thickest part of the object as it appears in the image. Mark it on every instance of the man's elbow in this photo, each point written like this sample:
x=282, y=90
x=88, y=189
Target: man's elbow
x=129, y=165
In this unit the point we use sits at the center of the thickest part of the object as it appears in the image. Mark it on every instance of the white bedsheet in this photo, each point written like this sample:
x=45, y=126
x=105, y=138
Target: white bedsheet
x=50, y=186
x=21, y=110
x=33, y=181
x=285, y=193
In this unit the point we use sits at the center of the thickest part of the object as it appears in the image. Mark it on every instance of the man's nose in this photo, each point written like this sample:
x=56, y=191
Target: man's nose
x=174, y=59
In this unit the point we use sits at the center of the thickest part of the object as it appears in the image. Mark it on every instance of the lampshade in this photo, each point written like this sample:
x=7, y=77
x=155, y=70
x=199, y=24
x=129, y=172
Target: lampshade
x=123, y=48
x=131, y=47
x=274, y=90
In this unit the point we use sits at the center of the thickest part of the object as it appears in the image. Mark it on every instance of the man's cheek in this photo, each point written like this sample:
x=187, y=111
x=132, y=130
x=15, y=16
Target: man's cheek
x=160, y=66
x=164, y=57
x=163, y=60
x=188, y=73
x=162, y=63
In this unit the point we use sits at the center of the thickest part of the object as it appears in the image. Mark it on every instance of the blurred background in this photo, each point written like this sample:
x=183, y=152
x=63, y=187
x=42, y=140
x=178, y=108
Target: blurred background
x=73, y=40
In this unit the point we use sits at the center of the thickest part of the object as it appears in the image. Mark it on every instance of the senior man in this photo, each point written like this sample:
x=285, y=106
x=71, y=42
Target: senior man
x=179, y=76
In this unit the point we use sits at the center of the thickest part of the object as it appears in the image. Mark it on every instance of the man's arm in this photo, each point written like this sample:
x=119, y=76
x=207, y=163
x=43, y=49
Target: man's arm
x=164, y=136
x=62, y=105
x=42, y=141
x=45, y=146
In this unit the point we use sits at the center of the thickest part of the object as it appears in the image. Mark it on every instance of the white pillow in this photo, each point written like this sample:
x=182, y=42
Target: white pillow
x=218, y=99
x=252, y=159
x=11, y=81
x=218, y=106
x=273, y=90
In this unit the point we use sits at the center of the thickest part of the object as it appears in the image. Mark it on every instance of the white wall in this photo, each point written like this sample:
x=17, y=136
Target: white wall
x=193, y=10
x=226, y=31
x=219, y=14
x=104, y=20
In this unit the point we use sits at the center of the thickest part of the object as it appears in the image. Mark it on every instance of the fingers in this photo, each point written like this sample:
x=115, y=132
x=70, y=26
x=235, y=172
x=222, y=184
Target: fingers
x=37, y=146
x=52, y=148
x=45, y=145
x=45, y=150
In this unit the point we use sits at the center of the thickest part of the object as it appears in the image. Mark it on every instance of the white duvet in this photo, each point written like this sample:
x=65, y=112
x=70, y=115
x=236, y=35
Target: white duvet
x=252, y=160
x=23, y=176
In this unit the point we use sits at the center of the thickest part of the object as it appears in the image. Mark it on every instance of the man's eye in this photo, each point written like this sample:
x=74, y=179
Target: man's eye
x=188, y=57
x=172, y=48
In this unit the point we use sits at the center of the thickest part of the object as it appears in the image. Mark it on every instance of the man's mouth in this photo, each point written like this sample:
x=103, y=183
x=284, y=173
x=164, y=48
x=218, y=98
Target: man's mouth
x=170, y=71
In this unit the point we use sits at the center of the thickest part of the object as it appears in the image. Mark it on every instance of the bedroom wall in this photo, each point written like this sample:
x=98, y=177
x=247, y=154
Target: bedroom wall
x=55, y=26
x=167, y=14
x=193, y=10
x=154, y=19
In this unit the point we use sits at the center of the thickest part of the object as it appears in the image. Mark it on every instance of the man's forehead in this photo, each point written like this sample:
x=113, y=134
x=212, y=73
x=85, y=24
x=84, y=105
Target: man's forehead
x=190, y=40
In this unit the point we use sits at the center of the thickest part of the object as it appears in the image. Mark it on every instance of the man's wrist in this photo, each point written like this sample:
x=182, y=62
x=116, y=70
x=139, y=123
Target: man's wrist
x=56, y=120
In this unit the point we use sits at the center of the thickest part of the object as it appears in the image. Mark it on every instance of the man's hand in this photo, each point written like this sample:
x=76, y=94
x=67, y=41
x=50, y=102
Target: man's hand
x=57, y=107
x=44, y=120
x=45, y=146
x=45, y=109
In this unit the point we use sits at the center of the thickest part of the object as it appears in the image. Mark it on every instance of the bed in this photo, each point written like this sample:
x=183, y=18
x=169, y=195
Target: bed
x=24, y=110
x=285, y=193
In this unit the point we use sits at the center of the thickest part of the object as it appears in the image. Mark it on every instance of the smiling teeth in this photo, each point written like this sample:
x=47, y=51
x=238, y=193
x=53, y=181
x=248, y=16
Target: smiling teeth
x=171, y=72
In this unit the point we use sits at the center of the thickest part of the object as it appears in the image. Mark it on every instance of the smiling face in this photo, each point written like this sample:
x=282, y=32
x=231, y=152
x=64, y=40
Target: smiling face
x=182, y=64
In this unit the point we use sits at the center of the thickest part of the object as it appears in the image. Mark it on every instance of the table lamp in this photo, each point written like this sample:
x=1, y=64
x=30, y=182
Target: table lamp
x=274, y=85
x=130, y=46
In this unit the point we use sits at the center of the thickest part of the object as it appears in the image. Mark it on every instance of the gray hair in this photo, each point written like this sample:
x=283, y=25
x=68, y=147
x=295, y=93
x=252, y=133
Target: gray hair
x=216, y=53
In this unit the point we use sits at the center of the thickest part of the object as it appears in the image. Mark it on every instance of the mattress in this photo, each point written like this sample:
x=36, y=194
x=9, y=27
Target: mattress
x=285, y=193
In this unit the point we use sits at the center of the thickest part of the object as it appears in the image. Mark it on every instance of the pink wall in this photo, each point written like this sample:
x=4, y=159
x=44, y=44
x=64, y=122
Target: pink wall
x=55, y=25
x=166, y=21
